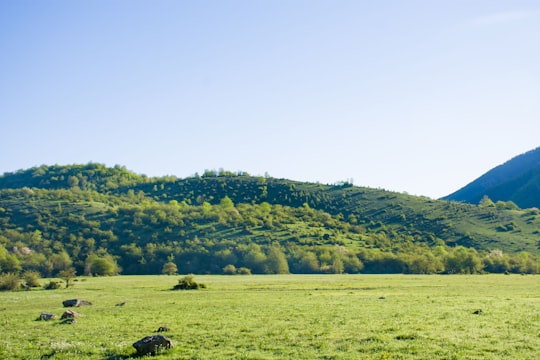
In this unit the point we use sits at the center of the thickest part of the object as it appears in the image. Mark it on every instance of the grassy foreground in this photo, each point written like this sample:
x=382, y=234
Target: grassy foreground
x=283, y=317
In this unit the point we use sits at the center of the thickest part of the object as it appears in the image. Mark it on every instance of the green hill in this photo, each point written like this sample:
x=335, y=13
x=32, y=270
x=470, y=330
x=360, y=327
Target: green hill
x=102, y=220
x=517, y=180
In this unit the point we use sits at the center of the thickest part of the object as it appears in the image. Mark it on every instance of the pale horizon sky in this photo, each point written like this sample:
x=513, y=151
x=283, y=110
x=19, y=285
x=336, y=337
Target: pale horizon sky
x=416, y=96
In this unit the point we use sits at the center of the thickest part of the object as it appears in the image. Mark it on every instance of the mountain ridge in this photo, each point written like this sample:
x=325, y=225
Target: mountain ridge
x=516, y=180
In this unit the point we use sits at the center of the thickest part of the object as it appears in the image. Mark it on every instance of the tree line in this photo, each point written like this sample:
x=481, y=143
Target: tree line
x=53, y=231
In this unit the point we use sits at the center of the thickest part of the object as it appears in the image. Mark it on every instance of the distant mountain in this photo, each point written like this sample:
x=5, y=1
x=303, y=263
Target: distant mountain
x=517, y=180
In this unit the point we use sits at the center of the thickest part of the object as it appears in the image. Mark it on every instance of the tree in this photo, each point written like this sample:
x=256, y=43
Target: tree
x=60, y=261
x=226, y=203
x=67, y=275
x=306, y=262
x=276, y=262
x=169, y=268
x=254, y=258
x=229, y=269
x=8, y=262
x=463, y=260
x=486, y=202
x=101, y=266
x=351, y=264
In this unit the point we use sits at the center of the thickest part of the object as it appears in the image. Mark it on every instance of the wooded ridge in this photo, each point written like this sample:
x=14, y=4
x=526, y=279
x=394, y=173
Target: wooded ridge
x=106, y=220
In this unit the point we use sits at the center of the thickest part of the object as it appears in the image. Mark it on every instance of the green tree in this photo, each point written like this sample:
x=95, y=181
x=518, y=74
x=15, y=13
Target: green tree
x=101, y=265
x=60, y=261
x=276, y=261
x=67, y=275
x=462, y=260
x=229, y=269
x=255, y=259
x=9, y=263
x=226, y=203
x=486, y=202
x=306, y=262
x=169, y=268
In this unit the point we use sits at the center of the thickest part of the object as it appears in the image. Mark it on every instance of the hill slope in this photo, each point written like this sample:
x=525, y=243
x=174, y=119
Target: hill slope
x=516, y=180
x=58, y=216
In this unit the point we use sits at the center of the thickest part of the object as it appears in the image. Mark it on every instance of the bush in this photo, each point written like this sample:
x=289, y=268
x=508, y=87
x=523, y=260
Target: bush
x=187, y=283
x=9, y=282
x=229, y=270
x=53, y=285
x=243, y=271
x=31, y=278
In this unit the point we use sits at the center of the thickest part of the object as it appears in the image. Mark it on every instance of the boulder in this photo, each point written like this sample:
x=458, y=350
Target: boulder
x=69, y=314
x=46, y=316
x=75, y=303
x=151, y=344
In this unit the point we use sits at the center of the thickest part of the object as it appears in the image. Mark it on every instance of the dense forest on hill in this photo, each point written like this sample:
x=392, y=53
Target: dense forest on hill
x=517, y=180
x=102, y=221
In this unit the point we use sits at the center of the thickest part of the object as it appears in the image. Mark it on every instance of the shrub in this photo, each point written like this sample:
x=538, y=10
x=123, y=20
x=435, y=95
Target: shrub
x=243, y=271
x=169, y=268
x=9, y=282
x=187, y=283
x=53, y=285
x=229, y=270
x=31, y=278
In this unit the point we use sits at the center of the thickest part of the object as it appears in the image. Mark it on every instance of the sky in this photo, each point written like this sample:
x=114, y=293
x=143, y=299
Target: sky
x=415, y=96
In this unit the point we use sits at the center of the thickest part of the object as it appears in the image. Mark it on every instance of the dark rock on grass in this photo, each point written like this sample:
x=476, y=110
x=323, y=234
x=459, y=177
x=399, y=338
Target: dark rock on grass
x=152, y=344
x=163, y=329
x=69, y=314
x=478, y=312
x=46, y=316
x=75, y=303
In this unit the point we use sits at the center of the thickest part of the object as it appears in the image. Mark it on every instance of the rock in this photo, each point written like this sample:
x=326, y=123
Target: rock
x=69, y=314
x=151, y=344
x=68, y=321
x=162, y=329
x=75, y=303
x=477, y=312
x=46, y=316
x=121, y=304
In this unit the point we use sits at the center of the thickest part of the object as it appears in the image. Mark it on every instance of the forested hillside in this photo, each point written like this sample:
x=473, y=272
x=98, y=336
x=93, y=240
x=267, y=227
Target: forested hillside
x=517, y=180
x=104, y=221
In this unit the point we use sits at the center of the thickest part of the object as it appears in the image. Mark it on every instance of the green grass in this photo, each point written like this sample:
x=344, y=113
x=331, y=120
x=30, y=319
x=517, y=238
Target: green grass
x=283, y=317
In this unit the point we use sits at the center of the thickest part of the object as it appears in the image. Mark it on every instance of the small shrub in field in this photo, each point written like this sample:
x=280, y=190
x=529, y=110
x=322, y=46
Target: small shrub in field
x=187, y=283
x=9, y=282
x=243, y=271
x=229, y=270
x=31, y=278
x=53, y=285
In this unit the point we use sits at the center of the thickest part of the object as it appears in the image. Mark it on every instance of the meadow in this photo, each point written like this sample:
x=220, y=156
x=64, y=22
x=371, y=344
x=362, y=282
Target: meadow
x=283, y=317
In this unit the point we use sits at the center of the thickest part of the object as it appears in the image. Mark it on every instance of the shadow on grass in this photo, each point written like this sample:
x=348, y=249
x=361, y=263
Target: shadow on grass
x=108, y=356
x=111, y=356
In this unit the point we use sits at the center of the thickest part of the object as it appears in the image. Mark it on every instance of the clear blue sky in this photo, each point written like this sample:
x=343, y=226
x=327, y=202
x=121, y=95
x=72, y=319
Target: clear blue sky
x=408, y=95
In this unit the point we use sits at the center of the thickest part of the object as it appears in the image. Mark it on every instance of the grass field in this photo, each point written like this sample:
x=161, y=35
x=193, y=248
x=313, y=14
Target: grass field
x=283, y=317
